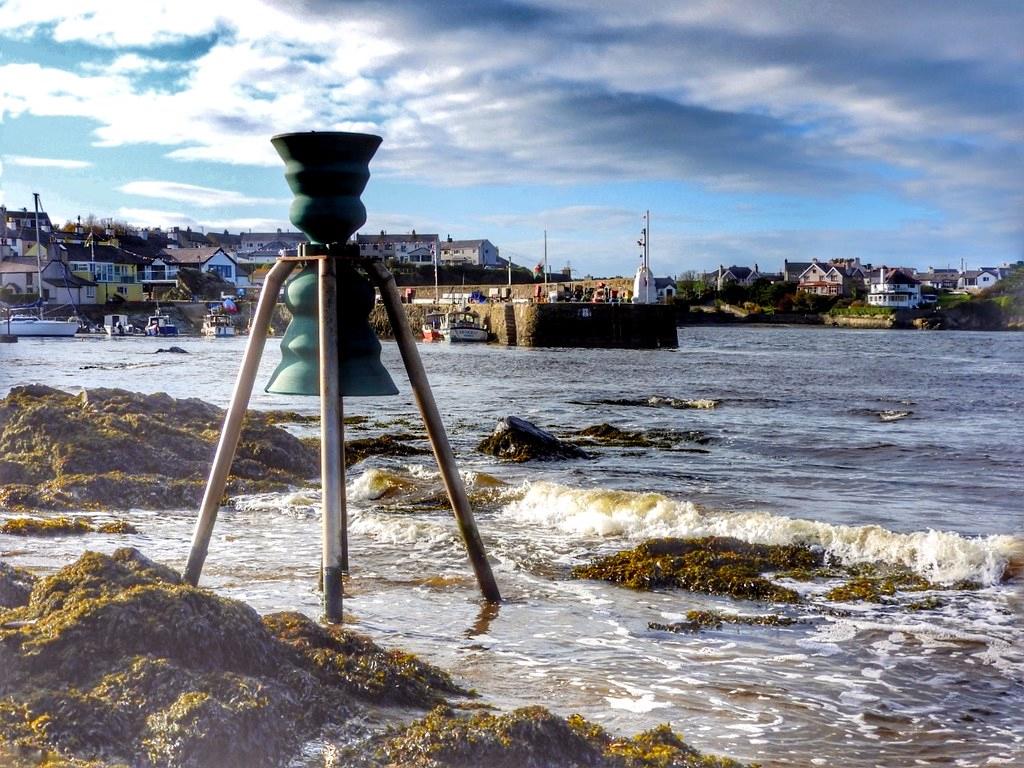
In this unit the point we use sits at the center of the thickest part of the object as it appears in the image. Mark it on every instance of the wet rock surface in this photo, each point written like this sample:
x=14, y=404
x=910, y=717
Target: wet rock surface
x=385, y=445
x=713, y=565
x=530, y=737
x=726, y=566
x=114, y=661
x=516, y=439
x=665, y=439
x=698, y=620
x=62, y=526
x=15, y=585
x=112, y=449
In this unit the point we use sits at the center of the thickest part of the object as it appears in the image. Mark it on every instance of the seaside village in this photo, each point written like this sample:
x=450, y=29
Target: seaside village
x=64, y=270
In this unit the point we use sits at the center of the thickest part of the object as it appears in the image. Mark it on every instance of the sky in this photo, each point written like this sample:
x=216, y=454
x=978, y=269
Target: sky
x=752, y=130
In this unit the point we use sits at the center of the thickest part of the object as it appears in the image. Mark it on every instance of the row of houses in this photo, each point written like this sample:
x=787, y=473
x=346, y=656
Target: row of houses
x=87, y=265
x=884, y=286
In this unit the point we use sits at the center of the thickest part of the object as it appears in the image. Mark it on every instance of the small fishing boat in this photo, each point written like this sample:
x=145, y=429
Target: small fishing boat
x=218, y=325
x=160, y=325
x=432, y=326
x=117, y=325
x=462, y=326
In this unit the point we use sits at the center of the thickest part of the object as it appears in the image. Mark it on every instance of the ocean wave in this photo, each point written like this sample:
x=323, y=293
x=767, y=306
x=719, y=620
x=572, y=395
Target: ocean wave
x=660, y=401
x=940, y=556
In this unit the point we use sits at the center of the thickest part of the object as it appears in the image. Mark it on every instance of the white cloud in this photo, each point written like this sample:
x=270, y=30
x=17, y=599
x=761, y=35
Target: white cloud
x=744, y=95
x=150, y=217
x=24, y=161
x=114, y=23
x=204, y=197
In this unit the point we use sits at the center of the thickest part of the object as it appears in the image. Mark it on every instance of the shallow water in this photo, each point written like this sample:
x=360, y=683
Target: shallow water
x=895, y=446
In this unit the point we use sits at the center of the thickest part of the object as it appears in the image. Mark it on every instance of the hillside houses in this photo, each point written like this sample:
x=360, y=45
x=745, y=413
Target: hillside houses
x=411, y=248
x=481, y=253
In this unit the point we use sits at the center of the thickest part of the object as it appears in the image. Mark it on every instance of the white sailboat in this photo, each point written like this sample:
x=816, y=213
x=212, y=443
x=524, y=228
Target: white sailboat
x=32, y=325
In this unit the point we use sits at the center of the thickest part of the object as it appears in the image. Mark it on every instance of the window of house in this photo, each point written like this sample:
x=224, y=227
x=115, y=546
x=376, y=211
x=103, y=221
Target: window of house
x=90, y=292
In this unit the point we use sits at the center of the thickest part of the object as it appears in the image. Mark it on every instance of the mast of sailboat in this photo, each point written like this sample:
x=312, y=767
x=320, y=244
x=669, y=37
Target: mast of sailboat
x=433, y=247
x=545, y=265
x=39, y=259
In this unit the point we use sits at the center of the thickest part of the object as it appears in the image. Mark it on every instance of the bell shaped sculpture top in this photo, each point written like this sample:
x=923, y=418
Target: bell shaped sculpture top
x=327, y=172
x=361, y=373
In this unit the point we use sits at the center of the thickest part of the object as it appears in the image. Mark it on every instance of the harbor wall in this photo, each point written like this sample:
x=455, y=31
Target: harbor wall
x=566, y=324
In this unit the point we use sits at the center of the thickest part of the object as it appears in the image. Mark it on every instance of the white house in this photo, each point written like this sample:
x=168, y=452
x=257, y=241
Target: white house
x=482, y=253
x=974, y=280
x=212, y=259
x=895, y=289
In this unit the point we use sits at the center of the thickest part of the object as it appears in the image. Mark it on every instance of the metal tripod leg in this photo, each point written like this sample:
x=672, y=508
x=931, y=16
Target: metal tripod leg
x=232, y=429
x=385, y=281
x=332, y=447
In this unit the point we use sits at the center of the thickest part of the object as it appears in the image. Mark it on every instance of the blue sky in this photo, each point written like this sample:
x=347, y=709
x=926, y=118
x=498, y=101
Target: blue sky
x=753, y=131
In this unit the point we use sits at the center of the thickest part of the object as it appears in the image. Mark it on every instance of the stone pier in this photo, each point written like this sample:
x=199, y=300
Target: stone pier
x=563, y=324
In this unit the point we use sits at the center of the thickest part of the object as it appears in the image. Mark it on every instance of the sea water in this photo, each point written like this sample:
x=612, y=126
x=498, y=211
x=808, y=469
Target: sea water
x=877, y=446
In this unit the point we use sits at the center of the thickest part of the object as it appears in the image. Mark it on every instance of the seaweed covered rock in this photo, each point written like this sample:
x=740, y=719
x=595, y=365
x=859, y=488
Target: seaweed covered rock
x=351, y=662
x=15, y=586
x=108, y=448
x=62, y=526
x=385, y=445
x=113, y=659
x=697, y=620
x=530, y=737
x=714, y=565
x=881, y=583
x=515, y=439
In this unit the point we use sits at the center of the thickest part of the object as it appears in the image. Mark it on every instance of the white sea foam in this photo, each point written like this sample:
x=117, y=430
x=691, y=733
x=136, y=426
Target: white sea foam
x=940, y=556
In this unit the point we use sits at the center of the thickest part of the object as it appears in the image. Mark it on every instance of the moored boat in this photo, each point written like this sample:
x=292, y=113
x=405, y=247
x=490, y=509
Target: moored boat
x=432, y=326
x=462, y=326
x=117, y=325
x=218, y=325
x=29, y=325
x=160, y=325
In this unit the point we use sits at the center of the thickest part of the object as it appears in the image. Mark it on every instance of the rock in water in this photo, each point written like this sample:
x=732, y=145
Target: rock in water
x=15, y=586
x=112, y=449
x=516, y=439
x=113, y=659
x=175, y=350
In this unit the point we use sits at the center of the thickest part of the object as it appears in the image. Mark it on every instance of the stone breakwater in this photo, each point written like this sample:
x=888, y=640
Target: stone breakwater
x=564, y=324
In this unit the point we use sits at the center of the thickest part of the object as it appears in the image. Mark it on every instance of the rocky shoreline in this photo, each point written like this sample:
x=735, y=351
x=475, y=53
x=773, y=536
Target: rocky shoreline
x=113, y=660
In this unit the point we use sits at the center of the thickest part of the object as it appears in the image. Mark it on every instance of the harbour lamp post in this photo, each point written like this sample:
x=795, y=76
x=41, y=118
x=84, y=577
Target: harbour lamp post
x=330, y=350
